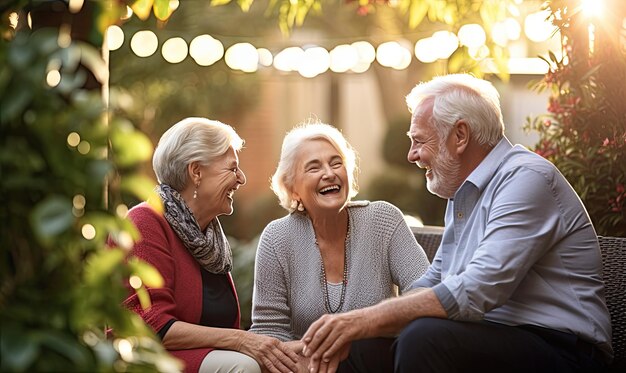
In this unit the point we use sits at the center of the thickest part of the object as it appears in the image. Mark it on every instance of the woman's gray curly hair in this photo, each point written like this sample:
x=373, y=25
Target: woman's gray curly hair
x=282, y=180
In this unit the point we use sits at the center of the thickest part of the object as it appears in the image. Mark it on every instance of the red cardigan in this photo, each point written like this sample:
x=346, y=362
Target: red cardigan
x=180, y=298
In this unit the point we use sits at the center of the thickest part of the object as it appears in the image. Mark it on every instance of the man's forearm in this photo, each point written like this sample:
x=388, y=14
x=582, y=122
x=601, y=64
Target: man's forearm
x=389, y=317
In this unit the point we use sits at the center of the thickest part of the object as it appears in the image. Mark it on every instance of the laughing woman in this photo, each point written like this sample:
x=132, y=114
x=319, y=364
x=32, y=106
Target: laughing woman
x=329, y=254
x=196, y=311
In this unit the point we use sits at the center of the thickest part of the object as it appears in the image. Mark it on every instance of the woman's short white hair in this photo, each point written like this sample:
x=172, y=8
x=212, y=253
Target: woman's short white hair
x=461, y=96
x=282, y=180
x=191, y=140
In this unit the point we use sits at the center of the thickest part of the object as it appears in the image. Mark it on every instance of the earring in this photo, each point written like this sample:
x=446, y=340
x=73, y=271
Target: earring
x=300, y=206
x=195, y=192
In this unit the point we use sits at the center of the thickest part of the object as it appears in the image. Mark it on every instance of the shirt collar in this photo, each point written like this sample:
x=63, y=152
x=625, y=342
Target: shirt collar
x=482, y=174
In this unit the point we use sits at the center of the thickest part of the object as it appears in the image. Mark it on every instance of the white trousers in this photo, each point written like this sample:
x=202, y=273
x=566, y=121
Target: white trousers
x=223, y=361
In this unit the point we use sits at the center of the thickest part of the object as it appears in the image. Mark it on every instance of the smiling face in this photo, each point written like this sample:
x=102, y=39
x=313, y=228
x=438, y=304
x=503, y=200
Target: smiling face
x=320, y=178
x=219, y=180
x=431, y=153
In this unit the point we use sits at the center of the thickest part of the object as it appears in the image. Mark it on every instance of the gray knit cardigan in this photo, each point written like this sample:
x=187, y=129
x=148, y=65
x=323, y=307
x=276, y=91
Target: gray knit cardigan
x=288, y=295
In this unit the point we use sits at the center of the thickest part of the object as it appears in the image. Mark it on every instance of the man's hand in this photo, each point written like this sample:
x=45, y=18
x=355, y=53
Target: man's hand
x=327, y=341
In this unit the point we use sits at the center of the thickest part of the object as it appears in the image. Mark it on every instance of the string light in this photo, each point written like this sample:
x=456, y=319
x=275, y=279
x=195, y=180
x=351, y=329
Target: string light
x=114, y=37
x=144, y=43
x=537, y=27
x=315, y=60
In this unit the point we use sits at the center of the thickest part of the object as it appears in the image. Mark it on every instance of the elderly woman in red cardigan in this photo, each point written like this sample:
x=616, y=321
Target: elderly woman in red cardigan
x=196, y=312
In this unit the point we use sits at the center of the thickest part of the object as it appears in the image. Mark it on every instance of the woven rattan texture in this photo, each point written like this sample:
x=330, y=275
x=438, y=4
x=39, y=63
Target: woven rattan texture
x=614, y=266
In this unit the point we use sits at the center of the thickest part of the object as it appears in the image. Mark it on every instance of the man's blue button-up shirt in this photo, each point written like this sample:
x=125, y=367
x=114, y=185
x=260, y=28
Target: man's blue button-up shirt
x=519, y=248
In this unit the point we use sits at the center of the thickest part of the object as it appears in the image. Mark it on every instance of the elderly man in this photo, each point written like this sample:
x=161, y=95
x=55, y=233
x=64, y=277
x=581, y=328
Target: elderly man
x=516, y=284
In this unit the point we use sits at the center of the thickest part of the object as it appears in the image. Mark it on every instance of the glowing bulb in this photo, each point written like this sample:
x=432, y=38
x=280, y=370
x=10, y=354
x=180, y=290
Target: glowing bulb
x=343, y=57
x=265, y=57
x=144, y=43
x=114, y=37
x=289, y=59
x=206, y=50
x=537, y=26
x=446, y=43
x=242, y=56
x=425, y=50
x=316, y=61
x=174, y=50
x=392, y=54
x=365, y=50
x=472, y=35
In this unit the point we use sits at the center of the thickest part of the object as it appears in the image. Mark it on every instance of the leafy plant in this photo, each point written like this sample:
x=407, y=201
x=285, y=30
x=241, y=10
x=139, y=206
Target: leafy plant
x=62, y=158
x=584, y=131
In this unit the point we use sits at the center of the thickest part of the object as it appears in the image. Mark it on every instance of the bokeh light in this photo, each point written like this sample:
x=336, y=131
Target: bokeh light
x=79, y=201
x=73, y=139
x=315, y=61
x=135, y=281
x=114, y=37
x=343, y=57
x=392, y=54
x=265, y=57
x=425, y=50
x=289, y=59
x=538, y=27
x=88, y=231
x=242, y=56
x=13, y=20
x=129, y=13
x=472, y=35
x=144, y=43
x=174, y=50
x=53, y=78
x=206, y=50
x=445, y=43
x=84, y=147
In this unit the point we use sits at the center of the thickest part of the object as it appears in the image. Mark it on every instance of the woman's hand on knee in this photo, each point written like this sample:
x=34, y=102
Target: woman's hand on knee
x=273, y=355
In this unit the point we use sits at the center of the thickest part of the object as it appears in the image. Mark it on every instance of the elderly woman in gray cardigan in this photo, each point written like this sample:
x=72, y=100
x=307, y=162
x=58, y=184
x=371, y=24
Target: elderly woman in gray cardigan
x=329, y=254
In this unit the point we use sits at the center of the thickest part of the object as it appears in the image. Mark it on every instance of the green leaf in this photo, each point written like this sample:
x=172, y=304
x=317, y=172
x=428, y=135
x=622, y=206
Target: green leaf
x=140, y=186
x=52, y=216
x=142, y=8
x=144, y=297
x=245, y=4
x=14, y=104
x=66, y=346
x=101, y=264
x=149, y=275
x=219, y=2
x=417, y=12
x=162, y=9
x=19, y=349
x=130, y=146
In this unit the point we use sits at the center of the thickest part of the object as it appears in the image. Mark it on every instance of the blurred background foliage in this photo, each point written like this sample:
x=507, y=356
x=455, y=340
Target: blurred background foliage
x=584, y=131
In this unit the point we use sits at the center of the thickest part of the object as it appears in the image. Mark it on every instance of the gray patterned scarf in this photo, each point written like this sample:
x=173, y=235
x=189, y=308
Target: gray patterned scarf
x=211, y=249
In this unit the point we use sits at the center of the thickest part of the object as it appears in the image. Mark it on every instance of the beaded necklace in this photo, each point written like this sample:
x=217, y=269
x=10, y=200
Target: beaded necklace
x=344, y=281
